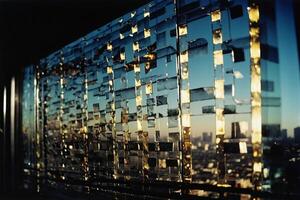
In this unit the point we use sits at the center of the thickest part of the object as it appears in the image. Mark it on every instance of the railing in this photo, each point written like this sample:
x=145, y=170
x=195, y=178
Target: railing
x=151, y=189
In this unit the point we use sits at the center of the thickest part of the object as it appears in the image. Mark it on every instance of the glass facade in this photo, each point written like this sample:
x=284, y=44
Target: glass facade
x=176, y=91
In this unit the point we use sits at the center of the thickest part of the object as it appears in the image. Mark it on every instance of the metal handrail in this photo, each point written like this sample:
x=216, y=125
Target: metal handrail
x=149, y=187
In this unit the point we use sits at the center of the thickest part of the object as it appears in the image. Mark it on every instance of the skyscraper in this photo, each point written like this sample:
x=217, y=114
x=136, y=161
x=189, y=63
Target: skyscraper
x=297, y=134
x=128, y=100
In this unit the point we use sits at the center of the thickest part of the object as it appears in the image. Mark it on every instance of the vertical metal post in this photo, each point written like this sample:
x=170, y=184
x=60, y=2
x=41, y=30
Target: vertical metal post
x=110, y=73
x=85, y=129
x=138, y=101
x=4, y=140
x=183, y=98
x=216, y=17
x=256, y=123
x=36, y=128
x=43, y=124
x=12, y=130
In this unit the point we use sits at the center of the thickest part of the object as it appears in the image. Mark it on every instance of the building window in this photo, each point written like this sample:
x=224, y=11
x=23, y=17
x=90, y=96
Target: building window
x=147, y=33
x=149, y=88
x=109, y=70
x=238, y=55
x=149, y=65
x=133, y=13
x=269, y=52
x=151, y=161
x=135, y=46
x=134, y=29
x=146, y=13
x=136, y=68
x=217, y=36
x=257, y=167
x=158, y=13
x=243, y=147
x=183, y=30
x=169, y=58
x=267, y=86
x=122, y=55
x=162, y=163
x=161, y=39
x=138, y=100
x=173, y=33
x=236, y=11
x=138, y=83
x=109, y=46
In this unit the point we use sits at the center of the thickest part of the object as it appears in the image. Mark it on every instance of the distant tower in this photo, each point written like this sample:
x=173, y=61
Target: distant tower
x=207, y=137
x=284, y=133
x=297, y=134
x=235, y=130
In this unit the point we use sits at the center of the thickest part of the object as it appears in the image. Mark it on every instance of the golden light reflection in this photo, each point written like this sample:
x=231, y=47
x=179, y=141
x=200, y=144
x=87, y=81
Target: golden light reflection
x=149, y=88
x=150, y=56
x=138, y=100
x=122, y=36
x=255, y=48
x=257, y=167
x=146, y=13
x=183, y=30
x=139, y=125
x=184, y=57
x=135, y=46
x=256, y=137
x=253, y=13
x=184, y=71
x=122, y=55
x=186, y=120
x=218, y=57
x=219, y=91
x=138, y=82
x=134, y=29
x=185, y=96
x=147, y=33
x=243, y=147
x=109, y=47
x=162, y=163
x=254, y=31
x=109, y=70
x=136, y=68
x=215, y=15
